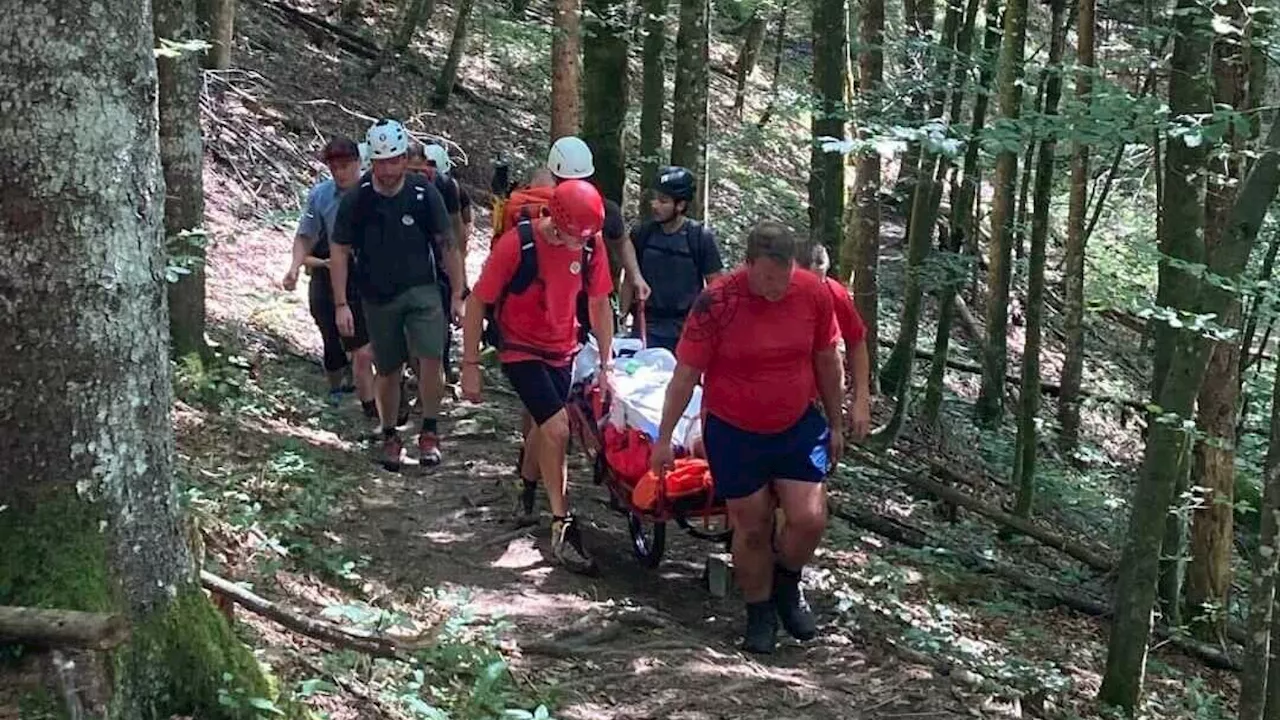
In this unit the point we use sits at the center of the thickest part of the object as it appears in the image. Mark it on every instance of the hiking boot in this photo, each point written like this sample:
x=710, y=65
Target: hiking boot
x=761, y=636
x=793, y=609
x=525, y=511
x=429, y=449
x=566, y=546
x=370, y=409
x=392, y=452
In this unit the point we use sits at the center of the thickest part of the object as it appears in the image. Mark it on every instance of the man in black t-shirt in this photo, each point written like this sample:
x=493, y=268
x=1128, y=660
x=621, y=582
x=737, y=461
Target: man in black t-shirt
x=679, y=255
x=396, y=227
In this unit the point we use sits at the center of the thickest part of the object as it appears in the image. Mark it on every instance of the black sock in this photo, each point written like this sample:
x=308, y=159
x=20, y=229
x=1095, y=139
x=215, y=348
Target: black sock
x=388, y=433
x=783, y=571
x=431, y=425
x=370, y=408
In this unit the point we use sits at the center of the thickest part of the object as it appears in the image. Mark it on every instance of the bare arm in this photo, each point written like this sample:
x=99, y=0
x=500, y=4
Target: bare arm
x=679, y=392
x=338, y=254
x=830, y=375
x=861, y=363
x=472, y=329
x=602, y=326
x=301, y=251
x=460, y=234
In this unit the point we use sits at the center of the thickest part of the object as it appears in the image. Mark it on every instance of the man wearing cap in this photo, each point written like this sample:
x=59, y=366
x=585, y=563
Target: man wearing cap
x=311, y=250
x=396, y=227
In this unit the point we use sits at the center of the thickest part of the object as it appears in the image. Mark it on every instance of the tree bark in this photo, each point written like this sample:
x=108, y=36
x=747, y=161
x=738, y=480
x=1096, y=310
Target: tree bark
x=691, y=98
x=349, y=11
x=1208, y=575
x=1024, y=468
x=605, y=73
x=653, y=98
x=566, y=91
x=1073, y=260
x=826, y=168
x=415, y=13
x=990, y=404
x=752, y=42
x=779, y=45
x=1136, y=590
x=182, y=157
x=92, y=517
x=917, y=16
x=457, y=48
x=217, y=22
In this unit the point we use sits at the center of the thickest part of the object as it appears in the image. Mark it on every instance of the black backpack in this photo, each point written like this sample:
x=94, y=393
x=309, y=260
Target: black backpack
x=691, y=226
x=526, y=274
x=366, y=195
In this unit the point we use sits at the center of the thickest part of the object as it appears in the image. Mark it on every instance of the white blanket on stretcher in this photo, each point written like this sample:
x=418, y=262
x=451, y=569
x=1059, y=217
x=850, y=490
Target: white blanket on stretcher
x=640, y=379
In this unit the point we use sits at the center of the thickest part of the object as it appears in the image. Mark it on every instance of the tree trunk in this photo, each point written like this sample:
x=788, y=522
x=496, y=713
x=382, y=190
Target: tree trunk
x=826, y=168
x=653, y=99
x=990, y=404
x=566, y=92
x=752, y=42
x=1073, y=261
x=1272, y=711
x=415, y=12
x=605, y=75
x=217, y=20
x=1024, y=184
x=182, y=158
x=691, y=99
x=457, y=48
x=92, y=520
x=1136, y=588
x=1024, y=467
x=779, y=46
x=917, y=56
x=1256, y=688
x=1208, y=577
x=863, y=236
x=1258, y=308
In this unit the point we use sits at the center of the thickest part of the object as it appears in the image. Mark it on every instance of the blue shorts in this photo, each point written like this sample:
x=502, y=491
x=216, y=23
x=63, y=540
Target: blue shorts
x=744, y=462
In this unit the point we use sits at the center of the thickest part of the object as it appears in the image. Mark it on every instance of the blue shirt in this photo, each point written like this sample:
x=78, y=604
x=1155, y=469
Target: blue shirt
x=321, y=213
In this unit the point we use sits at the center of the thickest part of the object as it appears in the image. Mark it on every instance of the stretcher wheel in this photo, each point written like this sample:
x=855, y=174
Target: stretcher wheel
x=648, y=547
x=725, y=535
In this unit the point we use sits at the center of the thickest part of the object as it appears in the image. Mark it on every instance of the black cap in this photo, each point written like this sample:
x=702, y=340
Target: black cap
x=340, y=148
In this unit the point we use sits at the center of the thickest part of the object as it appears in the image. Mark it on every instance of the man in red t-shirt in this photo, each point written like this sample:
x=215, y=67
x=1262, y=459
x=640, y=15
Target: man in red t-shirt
x=538, y=329
x=763, y=341
x=853, y=330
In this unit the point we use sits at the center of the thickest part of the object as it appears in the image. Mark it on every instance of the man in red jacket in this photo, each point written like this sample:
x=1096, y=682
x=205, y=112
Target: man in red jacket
x=762, y=339
x=532, y=280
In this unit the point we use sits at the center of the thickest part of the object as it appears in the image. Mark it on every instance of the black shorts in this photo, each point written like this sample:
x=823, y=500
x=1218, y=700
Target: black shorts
x=320, y=295
x=543, y=388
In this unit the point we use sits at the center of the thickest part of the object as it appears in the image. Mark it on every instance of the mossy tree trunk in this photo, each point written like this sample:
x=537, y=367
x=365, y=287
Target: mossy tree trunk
x=826, y=168
x=990, y=404
x=1208, y=575
x=183, y=161
x=566, y=90
x=749, y=54
x=1167, y=442
x=691, y=100
x=1024, y=467
x=653, y=97
x=963, y=221
x=92, y=520
x=457, y=48
x=606, y=28
x=1073, y=252
x=217, y=24
x=862, y=242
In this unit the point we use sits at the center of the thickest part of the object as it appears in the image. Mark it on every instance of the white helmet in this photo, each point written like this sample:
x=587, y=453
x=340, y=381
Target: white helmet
x=365, y=162
x=438, y=155
x=387, y=139
x=570, y=159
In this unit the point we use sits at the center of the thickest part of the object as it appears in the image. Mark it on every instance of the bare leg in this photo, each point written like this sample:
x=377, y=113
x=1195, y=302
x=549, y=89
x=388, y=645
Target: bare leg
x=387, y=386
x=752, y=521
x=362, y=372
x=805, y=506
x=552, y=441
x=430, y=387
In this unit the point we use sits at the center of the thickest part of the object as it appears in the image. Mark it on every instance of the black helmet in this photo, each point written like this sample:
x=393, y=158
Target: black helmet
x=676, y=182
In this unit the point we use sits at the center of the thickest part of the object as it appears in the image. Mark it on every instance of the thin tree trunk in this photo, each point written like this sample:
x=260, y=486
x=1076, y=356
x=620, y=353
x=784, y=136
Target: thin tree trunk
x=605, y=76
x=1272, y=711
x=990, y=404
x=91, y=520
x=653, y=98
x=1257, y=308
x=1073, y=262
x=826, y=168
x=566, y=91
x=917, y=16
x=691, y=100
x=752, y=42
x=182, y=158
x=457, y=48
x=217, y=20
x=415, y=12
x=1024, y=183
x=1208, y=576
x=1024, y=467
x=863, y=260
x=778, y=51
x=349, y=11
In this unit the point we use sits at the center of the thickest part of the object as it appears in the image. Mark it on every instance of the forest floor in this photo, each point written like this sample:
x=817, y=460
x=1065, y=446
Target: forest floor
x=928, y=616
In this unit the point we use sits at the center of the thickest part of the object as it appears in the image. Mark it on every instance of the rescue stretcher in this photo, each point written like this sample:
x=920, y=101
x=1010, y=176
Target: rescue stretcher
x=615, y=424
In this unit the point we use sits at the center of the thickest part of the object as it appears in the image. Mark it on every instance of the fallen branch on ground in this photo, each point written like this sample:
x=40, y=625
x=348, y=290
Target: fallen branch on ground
x=351, y=638
x=62, y=628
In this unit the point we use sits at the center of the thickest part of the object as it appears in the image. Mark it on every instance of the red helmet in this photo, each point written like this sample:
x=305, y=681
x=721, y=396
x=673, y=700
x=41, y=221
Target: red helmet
x=577, y=209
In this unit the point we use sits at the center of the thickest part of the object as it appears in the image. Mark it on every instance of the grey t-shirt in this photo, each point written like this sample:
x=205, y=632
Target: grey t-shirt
x=321, y=213
x=675, y=266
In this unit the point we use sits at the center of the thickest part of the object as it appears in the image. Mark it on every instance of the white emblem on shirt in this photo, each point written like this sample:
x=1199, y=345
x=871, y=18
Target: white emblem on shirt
x=575, y=267
x=407, y=219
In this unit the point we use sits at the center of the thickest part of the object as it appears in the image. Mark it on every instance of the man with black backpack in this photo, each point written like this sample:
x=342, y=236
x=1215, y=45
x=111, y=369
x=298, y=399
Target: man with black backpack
x=676, y=254
x=531, y=283
x=396, y=227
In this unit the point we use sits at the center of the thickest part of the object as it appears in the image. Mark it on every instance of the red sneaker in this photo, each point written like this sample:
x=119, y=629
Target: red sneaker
x=429, y=449
x=392, y=452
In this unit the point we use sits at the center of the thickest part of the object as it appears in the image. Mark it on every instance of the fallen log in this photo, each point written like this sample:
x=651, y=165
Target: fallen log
x=62, y=628
x=363, y=641
x=970, y=323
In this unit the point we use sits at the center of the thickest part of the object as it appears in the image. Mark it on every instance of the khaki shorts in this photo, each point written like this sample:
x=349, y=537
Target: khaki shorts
x=410, y=325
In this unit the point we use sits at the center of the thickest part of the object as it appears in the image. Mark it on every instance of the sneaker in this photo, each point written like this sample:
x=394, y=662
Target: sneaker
x=525, y=511
x=370, y=409
x=429, y=449
x=793, y=609
x=335, y=397
x=566, y=546
x=761, y=636
x=392, y=452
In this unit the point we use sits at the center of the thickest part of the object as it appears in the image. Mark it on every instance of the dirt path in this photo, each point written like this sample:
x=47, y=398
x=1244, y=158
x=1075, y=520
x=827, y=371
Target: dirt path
x=631, y=643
